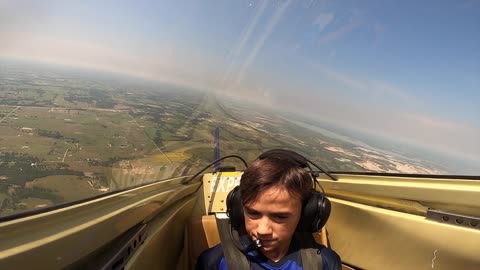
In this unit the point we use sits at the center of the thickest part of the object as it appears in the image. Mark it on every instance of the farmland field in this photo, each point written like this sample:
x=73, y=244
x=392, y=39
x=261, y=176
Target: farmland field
x=67, y=136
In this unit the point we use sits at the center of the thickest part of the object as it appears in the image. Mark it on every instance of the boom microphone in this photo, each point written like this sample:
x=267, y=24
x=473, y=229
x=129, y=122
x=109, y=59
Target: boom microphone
x=253, y=246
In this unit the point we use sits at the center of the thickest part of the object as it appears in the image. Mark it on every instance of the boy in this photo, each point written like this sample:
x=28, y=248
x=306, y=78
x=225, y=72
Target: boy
x=273, y=192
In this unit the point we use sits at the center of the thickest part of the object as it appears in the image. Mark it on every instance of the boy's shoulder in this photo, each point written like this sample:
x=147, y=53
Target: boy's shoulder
x=331, y=260
x=211, y=258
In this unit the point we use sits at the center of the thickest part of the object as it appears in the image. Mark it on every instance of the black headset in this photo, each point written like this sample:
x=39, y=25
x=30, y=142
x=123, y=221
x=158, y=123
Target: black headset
x=315, y=211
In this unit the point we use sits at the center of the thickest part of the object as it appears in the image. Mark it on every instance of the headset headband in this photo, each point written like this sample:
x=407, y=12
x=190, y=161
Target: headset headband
x=287, y=155
x=293, y=158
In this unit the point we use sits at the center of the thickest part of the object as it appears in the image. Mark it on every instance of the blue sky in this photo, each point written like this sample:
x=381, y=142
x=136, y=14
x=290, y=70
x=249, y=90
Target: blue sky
x=403, y=69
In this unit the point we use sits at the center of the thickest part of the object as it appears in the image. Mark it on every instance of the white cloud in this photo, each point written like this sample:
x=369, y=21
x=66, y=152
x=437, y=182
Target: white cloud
x=373, y=88
x=261, y=40
x=379, y=108
x=455, y=138
x=323, y=20
x=387, y=89
x=244, y=37
x=353, y=22
x=167, y=63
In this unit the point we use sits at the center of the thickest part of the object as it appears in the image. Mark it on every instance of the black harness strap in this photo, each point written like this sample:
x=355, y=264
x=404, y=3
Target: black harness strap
x=311, y=257
x=236, y=260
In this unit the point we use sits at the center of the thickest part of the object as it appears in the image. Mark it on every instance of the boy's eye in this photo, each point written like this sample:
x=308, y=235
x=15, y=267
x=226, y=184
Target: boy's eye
x=253, y=214
x=280, y=217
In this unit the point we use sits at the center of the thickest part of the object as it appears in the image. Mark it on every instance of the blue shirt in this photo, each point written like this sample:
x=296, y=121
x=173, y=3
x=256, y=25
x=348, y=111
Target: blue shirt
x=214, y=259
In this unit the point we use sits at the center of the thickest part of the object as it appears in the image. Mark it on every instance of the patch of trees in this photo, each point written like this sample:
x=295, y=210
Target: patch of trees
x=158, y=140
x=56, y=135
x=101, y=179
x=7, y=203
x=156, y=114
x=12, y=102
x=40, y=193
x=97, y=93
x=105, y=104
x=71, y=140
x=21, y=168
x=78, y=98
x=50, y=134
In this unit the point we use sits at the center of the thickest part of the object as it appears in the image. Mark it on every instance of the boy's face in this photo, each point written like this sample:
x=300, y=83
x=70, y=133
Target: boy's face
x=272, y=219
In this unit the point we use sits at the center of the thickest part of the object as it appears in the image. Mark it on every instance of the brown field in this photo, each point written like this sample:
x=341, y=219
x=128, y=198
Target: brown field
x=70, y=187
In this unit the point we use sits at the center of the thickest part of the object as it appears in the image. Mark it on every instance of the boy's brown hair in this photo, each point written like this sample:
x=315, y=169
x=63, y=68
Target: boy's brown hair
x=268, y=172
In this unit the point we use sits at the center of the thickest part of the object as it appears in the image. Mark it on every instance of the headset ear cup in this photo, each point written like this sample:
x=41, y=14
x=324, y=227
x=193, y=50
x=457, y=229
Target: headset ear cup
x=315, y=213
x=325, y=208
x=235, y=208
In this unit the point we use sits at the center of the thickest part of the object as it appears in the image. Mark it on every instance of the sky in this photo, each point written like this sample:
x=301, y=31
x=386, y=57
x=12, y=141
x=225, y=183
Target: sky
x=408, y=70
